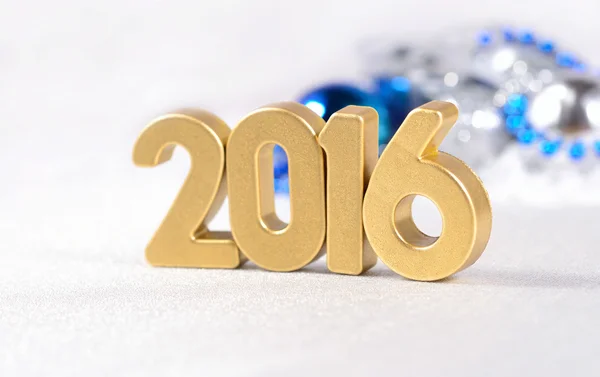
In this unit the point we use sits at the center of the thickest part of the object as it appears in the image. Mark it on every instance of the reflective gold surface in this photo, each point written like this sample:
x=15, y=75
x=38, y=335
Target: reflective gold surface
x=411, y=165
x=256, y=228
x=350, y=143
x=183, y=240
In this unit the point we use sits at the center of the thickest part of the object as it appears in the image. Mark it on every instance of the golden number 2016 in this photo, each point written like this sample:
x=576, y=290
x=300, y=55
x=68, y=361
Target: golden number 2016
x=343, y=200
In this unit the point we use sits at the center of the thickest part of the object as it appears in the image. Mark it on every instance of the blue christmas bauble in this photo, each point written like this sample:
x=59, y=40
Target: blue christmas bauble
x=399, y=99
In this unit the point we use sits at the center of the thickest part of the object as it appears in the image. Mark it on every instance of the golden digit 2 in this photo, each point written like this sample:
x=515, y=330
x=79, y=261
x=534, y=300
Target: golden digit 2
x=183, y=239
x=410, y=165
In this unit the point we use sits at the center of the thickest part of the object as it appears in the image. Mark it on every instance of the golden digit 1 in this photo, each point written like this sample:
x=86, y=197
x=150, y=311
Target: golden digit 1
x=350, y=143
x=183, y=239
x=411, y=165
x=259, y=233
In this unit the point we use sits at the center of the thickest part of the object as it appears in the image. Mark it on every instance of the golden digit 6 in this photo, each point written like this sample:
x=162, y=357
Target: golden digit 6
x=183, y=239
x=409, y=166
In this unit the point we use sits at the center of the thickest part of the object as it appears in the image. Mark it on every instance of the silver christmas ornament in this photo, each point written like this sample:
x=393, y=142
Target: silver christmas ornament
x=570, y=107
x=437, y=73
x=563, y=125
x=514, y=67
x=508, y=84
x=479, y=135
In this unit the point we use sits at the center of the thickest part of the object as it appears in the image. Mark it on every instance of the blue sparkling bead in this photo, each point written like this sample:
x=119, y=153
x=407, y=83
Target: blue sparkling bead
x=516, y=104
x=401, y=84
x=565, y=59
x=577, y=150
x=550, y=147
x=526, y=136
x=526, y=37
x=597, y=147
x=508, y=34
x=579, y=66
x=546, y=46
x=515, y=123
x=484, y=38
x=328, y=99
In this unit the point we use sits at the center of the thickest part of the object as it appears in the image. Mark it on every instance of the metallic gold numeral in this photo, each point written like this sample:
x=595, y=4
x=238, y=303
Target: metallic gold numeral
x=259, y=233
x=411, y=165
x=350, y=143
x=183, y=239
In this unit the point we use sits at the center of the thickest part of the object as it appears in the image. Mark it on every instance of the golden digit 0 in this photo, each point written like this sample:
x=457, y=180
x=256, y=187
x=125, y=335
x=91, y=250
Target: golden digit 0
x=350, y=143
x=411, y=165
x=259, y=233
x=183, y=239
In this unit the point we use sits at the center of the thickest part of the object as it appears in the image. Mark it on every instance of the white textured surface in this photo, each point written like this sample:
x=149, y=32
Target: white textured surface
x=79, y=79
x=76, y=298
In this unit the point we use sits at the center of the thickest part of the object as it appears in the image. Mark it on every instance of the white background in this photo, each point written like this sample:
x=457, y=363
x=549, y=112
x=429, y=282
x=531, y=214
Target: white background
x=77, y=77
x=80, y=79
x=78, y=82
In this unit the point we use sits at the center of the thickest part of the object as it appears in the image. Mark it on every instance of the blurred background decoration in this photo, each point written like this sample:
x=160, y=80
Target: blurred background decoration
x=511, y=85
